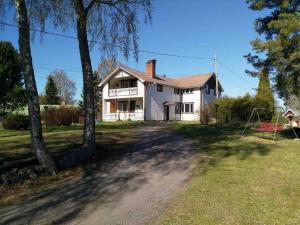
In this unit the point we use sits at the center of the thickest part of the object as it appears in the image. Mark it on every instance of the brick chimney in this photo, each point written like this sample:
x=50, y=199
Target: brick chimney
x=150, y=68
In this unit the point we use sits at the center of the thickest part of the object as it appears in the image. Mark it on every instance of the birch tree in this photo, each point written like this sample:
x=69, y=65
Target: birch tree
x=37, y=139
x=113, y=25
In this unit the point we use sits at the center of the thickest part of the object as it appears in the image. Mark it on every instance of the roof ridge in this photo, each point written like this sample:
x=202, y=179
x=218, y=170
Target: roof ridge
x=192, y=75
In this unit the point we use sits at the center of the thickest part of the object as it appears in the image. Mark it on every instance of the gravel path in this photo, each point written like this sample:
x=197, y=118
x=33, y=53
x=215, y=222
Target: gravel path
x=132, y=188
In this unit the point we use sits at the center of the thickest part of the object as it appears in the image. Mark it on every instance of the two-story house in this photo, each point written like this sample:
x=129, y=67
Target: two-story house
x=129, y=94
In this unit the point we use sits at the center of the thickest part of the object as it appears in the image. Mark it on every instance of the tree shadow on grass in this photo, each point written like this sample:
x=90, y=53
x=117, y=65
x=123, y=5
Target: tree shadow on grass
x=217, y=144
x=117, y=173
x=113, y=175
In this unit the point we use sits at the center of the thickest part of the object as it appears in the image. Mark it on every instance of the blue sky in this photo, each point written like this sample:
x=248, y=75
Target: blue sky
x=192, y=27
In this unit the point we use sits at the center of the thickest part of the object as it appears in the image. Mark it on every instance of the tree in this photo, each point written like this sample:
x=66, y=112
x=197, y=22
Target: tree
x=66, y=87
x=293, y=103
x=105, y=67
x=114, y=23
x=37, y=139
x=51, y=93
x=280, y=43
x=264, y=96
x=12, y=93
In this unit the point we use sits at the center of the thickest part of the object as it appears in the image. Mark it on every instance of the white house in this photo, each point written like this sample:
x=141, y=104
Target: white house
x=129, y=94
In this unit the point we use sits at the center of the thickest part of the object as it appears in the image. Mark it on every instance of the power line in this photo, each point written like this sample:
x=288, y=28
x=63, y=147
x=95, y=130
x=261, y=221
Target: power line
x=115, y=46
x=234, y=73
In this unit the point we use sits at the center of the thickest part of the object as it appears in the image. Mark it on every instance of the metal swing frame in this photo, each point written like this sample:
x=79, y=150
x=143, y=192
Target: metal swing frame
x=256, y=110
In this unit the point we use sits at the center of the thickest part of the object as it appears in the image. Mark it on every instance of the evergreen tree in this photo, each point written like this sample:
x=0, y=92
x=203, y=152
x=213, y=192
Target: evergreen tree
x=12, y=93
x=279, y=41
x=264, y=96
x=51, y=92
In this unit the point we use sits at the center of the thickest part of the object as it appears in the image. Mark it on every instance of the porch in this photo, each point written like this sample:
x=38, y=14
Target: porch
x=123, y=109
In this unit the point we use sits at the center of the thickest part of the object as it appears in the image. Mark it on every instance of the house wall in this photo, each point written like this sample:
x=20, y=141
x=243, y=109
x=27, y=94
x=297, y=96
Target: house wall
x=154, y=102
x=192, y=98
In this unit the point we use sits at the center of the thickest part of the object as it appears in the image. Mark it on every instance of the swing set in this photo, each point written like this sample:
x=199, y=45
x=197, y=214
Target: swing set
x=263, y=127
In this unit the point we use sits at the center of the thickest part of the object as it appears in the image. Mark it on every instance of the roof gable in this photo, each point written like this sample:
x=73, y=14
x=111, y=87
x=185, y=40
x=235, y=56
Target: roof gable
x=191, y=81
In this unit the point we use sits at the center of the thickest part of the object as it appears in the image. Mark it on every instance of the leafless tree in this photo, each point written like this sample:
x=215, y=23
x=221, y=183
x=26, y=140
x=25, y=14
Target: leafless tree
x=113, y=24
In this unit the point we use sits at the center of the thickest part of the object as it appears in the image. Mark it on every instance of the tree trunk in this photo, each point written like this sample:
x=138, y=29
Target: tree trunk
x=88, y=78
x=37, y=139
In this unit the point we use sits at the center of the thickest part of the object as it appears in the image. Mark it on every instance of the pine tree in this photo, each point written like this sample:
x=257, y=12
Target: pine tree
x=51, y=92
x=264, y=96
x=279, y=42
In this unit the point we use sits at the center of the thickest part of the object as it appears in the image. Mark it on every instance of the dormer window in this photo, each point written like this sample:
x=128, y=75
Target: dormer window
x=159, y=88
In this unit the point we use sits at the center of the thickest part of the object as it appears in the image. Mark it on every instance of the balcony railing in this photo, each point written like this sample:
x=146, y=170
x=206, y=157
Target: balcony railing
x=123, y=92
x=124, y=116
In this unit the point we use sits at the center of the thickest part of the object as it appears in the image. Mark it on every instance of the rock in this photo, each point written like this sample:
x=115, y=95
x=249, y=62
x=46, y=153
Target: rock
x=31, y=174
x=38, y=169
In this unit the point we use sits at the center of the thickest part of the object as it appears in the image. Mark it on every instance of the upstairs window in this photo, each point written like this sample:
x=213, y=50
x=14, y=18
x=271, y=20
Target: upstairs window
x=207, y=89
x=177, y=91
x=159, y=88
x=188, y=91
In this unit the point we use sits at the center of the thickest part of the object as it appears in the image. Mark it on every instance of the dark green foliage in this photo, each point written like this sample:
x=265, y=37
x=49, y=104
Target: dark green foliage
x=61, y=116
x=51, y=92
x=279, y=41
x=16, y=122
x=264, y=96
x=12, y=93
x=232, y=110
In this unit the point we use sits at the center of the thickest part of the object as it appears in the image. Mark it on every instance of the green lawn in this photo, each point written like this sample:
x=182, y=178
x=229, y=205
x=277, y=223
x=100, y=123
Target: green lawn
x=15, y=151
x=239, y=181
x=15, y=146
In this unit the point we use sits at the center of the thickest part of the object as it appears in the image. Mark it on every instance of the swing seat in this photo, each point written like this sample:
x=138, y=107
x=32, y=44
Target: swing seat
x=269, y=127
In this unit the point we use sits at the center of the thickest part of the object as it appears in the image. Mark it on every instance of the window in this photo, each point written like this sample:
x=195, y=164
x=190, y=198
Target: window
x=178, y=107
x=177, y=91
x=128, y=83
x=125, y=83
x=133, y=83
x=207, y=89
x=159, y=88
x=132, y=106
x=122, y=106
x=187, y=108
x=188, y=91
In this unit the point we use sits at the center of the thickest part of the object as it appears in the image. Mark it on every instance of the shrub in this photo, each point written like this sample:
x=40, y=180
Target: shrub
x=61, y=116
x=16, y=122
x=205, y=116
x=237, y=110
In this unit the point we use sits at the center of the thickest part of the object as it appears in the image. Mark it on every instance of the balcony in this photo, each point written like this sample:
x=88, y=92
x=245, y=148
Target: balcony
x=123, y=92
x=124, y=116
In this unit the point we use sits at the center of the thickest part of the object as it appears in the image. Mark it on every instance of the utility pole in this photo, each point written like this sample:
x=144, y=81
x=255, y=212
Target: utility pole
x=216, y=74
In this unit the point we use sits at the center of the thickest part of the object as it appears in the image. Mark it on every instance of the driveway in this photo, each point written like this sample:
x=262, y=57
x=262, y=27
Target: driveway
x=132, y=188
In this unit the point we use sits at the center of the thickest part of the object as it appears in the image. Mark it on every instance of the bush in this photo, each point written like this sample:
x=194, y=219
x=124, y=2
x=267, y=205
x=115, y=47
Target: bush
x=205, y=116
x=61, y=116
x=237, y=110
x=16, y=122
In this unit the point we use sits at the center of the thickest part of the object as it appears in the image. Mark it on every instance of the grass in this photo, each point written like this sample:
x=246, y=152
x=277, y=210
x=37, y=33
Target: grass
x=15, y=151
x=239, y=181
x=15, y=146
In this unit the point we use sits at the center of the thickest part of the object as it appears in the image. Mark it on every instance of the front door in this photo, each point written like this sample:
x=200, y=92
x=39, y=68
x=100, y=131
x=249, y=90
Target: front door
x=166, y=113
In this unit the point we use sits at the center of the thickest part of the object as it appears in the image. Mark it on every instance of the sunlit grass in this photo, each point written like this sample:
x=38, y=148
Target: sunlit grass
x=239, y=181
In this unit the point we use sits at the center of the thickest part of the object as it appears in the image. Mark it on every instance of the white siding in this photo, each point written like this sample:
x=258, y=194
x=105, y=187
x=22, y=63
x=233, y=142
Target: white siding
x=192, y=98
x=155, y=100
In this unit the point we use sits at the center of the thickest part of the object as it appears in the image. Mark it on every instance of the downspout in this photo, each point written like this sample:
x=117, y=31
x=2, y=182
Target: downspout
x=144, y=100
